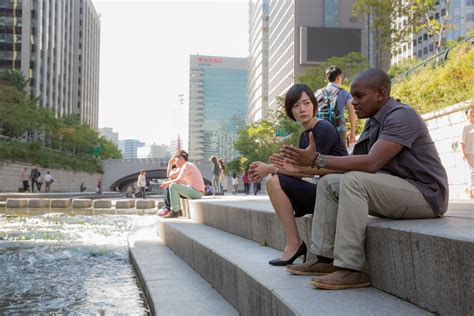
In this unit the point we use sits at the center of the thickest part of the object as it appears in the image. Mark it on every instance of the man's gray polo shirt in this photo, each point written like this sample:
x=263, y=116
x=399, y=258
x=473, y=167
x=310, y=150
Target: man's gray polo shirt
x=418, y=162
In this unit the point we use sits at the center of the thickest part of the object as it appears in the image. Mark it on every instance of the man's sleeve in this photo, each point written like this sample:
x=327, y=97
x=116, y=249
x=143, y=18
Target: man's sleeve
x=402, y=126
x=325, y=137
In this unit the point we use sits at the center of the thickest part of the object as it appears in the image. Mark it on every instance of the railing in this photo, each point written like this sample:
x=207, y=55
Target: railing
x=436, y=59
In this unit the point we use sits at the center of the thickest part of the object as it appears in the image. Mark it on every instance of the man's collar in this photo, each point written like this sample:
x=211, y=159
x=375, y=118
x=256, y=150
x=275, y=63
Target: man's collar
x=384, y=109
x=332, y=84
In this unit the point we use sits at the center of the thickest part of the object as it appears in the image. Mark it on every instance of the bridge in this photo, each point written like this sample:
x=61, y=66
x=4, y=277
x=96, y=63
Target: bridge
x=121, y=173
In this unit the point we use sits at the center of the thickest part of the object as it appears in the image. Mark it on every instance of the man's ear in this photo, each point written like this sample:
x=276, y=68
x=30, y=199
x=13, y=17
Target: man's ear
x=382, y=94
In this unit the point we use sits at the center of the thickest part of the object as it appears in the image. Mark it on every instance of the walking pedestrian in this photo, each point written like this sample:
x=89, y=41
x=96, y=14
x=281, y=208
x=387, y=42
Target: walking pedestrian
x=34, y=174
x=235, y=183
x=25, y=177
x=467, y=145
x=142, y=183
x=48, y=180
x=246, y=181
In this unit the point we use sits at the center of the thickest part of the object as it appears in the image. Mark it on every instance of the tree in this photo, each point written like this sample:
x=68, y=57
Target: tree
x=14, y=78
x=425, y=16
x=403, y=66
x=351, y=64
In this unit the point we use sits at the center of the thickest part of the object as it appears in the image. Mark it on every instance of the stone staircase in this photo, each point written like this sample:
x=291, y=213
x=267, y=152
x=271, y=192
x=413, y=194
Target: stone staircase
x=417, y=266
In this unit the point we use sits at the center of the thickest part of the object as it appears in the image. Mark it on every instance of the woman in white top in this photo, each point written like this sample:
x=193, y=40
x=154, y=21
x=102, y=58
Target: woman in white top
x=235, y=184
x=142, y=182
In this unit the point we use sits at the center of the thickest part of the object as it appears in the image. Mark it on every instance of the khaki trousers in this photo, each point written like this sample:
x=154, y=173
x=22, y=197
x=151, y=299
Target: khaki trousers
x=343, y=202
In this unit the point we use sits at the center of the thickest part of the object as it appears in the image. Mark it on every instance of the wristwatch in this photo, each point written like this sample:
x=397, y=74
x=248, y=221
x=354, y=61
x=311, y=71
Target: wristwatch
x=321, y=162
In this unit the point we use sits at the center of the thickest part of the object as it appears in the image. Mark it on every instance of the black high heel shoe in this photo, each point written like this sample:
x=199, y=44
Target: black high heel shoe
x=300, y=252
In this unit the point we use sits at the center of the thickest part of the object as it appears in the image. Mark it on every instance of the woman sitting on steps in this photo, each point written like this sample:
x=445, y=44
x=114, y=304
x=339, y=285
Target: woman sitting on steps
x=291, y=196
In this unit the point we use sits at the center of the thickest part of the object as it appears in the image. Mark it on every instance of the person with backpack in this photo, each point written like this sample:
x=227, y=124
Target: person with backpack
x=333, y=100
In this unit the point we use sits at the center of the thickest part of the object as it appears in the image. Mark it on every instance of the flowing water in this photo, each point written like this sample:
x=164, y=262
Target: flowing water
x=58, y=263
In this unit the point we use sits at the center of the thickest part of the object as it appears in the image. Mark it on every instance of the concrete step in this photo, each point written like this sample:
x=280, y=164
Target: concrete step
x=238, y=268
x=171, y=286
x=420, y=261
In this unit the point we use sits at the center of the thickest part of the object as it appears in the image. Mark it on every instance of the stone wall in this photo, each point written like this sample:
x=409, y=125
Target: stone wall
x=445, y=127
x=64, y=180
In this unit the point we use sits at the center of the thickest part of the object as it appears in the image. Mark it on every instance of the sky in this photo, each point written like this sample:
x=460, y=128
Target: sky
x=145, y=49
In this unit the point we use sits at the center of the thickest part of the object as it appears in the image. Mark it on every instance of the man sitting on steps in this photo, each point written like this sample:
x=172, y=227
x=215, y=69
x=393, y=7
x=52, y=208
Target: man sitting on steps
x=395, y=172
x=188, y=184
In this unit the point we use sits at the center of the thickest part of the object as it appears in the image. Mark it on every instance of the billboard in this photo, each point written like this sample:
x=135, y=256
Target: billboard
x=319, y=43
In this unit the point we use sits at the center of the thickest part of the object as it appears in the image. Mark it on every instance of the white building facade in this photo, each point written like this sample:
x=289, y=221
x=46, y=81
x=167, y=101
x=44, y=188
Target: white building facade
x=55, y=43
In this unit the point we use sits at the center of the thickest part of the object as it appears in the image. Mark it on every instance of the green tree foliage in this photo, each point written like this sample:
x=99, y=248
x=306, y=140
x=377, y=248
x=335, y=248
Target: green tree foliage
x=403, y=66
x=63, y=142
x=14, y=78
x=258, y=141
x=386, y=34
x=350, y=64
x=433, y=88
x=425, y=17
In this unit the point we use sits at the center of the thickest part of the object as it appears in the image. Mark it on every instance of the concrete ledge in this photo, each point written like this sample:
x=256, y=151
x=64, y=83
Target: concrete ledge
x=121, y=204
x=60, y=203
x=102, y=204
x=417, y=260
x=171, y=287
x=81, y=203
x=145, y=204
x=17, y=203
x=39, y=203
x=238, y=268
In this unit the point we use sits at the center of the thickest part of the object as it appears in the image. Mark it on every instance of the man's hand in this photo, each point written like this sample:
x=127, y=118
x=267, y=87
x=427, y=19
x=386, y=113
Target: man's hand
x=300, y=157
x=258, y=170
x=278, y=161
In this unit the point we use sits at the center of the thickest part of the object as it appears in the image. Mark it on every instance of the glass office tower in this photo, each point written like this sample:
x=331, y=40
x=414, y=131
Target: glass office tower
x=217, y=105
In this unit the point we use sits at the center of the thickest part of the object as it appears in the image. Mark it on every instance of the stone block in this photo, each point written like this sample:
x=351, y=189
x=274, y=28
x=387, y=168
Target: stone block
x=60, y=203
x=81, y=203
x=17, y=203
x=144, y=204
x=39, y=203
x=121, y=204
x=102, y=203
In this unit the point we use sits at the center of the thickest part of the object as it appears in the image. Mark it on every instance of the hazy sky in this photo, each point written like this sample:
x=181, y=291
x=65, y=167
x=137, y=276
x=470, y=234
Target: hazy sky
x=145, y=48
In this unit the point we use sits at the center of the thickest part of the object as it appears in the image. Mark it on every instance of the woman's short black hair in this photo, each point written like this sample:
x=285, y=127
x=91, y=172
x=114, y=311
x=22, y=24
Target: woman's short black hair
x=294, y=94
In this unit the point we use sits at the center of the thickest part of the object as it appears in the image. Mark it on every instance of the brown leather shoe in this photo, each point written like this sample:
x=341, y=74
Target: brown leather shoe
x=341, y=280
x=311, y=267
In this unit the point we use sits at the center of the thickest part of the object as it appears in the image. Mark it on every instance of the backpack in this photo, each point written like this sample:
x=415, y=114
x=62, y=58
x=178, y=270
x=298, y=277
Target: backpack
x=327, y=107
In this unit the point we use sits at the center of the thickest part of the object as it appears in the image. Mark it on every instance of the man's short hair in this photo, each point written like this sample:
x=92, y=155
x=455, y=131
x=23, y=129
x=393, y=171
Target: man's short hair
x=332, y=72
x=181, y=153
x=375, y=78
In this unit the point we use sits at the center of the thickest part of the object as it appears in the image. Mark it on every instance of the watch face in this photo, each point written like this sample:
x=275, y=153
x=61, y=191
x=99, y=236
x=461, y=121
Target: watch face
x=321, y=162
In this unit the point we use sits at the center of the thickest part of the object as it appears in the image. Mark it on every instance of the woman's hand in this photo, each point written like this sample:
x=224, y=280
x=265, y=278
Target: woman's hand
x=300, y=157
x=258, y=170
x=165, y=184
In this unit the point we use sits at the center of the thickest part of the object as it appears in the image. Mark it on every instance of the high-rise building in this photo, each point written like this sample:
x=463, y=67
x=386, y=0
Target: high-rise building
x=258, y=60
x=217, y=105
x=181, y=123
x=306, y=32
x=109, y=134
x=55, y=43
x=129, y=148
x=421, y=45
x=159, y=151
